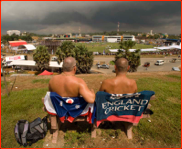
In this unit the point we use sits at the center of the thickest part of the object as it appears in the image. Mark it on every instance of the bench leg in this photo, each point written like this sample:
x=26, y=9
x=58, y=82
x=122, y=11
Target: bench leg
x=93, y=130
x=54, y=128
x=128, y=128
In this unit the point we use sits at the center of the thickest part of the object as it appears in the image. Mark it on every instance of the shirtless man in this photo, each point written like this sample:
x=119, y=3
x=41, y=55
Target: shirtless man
x=67, y=85
x=120, y=84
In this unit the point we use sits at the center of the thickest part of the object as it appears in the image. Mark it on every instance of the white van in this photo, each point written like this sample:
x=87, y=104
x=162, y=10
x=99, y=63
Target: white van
x=159, y=62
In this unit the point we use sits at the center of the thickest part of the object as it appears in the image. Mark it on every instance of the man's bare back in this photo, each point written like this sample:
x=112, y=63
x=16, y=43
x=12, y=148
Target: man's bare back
x=119, y=84
x=71, y=86
x=65, y=86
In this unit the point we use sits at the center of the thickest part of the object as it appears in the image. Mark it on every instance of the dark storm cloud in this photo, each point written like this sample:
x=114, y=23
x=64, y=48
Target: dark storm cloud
x=141, y=14
x=56, y=17
x=64, y=17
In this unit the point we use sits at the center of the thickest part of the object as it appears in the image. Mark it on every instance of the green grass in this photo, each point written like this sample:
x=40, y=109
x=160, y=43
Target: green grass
x=99, y=47
x=166, y=120
x=3, y=84
x=111, y=63
x=76, y=138
x=24, y=104
x=165, y=123
x=46, y=81
x=174, y=76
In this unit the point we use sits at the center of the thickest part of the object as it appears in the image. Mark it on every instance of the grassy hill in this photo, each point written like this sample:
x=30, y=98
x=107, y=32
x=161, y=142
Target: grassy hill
x=163, y=129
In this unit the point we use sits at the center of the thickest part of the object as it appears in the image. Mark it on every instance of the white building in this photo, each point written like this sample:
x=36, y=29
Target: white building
x=97, y=38
x=27, y=47
x=112, y=39
x=29, y=64
x=128, y=37
x=151, y=33
x=11, y=32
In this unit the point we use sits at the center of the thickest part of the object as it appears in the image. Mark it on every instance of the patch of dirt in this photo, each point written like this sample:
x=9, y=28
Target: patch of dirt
x=48, y=141
x=109, y=137
x=174, y=100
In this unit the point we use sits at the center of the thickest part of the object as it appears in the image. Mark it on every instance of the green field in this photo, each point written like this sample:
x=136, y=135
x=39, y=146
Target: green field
x=164, y=129
x=99, y=47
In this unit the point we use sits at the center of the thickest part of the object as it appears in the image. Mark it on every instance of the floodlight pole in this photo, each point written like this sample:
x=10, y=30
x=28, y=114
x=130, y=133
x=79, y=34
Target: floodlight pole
x=4, y=79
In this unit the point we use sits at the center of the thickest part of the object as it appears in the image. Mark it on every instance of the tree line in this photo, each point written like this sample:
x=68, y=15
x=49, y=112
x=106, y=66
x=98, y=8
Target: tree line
x=84, y=58
x=6, y=38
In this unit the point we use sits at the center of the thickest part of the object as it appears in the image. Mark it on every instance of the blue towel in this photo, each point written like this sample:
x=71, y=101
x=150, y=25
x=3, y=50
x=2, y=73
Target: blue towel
x=121, y=107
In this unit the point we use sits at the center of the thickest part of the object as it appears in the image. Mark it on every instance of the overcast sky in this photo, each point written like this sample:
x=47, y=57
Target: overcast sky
x=44, y=17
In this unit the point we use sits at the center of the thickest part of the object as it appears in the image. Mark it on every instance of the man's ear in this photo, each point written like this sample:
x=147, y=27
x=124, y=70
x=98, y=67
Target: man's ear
x=75, y=68
x=128, y=67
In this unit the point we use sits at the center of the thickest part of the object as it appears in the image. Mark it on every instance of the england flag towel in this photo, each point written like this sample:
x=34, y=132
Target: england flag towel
x=121, y=107
x=68, y=108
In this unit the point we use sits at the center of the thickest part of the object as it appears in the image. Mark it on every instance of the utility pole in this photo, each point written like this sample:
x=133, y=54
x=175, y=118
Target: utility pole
x=79, y=31
x=118, y=29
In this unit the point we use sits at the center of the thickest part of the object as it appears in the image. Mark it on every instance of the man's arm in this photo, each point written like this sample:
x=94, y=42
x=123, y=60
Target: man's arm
x=88, y=95
x=135, y=87
x=49, y=86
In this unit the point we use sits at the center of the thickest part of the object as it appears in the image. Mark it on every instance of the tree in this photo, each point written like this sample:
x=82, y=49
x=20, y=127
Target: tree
x=84, y=58
x=41, y=57
x=132, y=57
x=144, y=35
x=156, y=36
x=65, y=50
x=164, y=36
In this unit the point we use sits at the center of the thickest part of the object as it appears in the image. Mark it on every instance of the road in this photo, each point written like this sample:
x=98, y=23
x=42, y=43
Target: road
x=166, y=67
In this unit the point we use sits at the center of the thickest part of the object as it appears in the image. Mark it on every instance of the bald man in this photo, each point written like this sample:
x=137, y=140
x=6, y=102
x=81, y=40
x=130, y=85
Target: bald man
x=119, y=84
x=67, y=85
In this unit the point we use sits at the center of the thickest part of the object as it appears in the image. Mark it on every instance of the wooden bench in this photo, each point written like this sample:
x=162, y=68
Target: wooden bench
x=56, y=124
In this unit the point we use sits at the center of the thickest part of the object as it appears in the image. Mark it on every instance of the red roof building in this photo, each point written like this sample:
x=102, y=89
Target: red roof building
x=17, y=43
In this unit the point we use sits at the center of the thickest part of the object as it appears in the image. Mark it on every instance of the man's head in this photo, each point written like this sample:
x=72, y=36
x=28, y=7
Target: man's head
x=69, y=64
x=121, y=65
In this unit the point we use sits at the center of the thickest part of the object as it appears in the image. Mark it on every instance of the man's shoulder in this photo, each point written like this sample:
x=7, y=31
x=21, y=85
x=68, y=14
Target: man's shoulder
x=132, y=81
x=54, y=78
x=108, y=81
x=80, y=80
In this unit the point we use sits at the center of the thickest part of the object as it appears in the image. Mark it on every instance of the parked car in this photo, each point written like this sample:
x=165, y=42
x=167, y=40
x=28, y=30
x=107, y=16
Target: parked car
x=159, y=62
x=97, y=64
x=146, y=64
x=173, y=60
x=54, y=58
x=103, y=66
x=175, y=69
x=8, y=64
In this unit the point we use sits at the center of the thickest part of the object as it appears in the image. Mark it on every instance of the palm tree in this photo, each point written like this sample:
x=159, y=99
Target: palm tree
x=65, y=50
x=84, y=58
x=132, y=57
x=41, y=57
